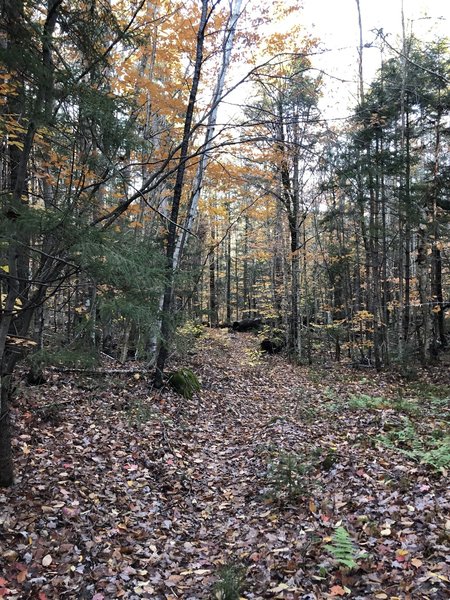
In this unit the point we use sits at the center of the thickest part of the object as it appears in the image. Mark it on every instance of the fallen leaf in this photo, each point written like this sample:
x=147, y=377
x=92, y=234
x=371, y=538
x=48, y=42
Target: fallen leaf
x=201, y=571
x=337, y=590
x=47, y=560
x=22, y=576
x=280, y=588
x=173, y=580
x=10, y=556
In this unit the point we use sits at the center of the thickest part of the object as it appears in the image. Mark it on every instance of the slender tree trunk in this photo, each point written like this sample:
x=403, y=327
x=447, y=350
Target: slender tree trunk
x=408, y=233
x=360, y=54
x=6, y=462
x=246, y=270
x=227, y=47
x=277, y=267
x=213, y=308
x=236, y=277
x=404, y=203
x=423, y=328
x=228, y=276
x=171, y=238
x=439, y=338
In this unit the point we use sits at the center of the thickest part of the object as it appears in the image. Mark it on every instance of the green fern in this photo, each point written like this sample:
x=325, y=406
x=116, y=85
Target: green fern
x=439, y=456
x=431, y=448
x=342, y=548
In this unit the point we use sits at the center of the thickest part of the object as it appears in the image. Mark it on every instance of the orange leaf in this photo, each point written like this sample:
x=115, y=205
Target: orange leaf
x=337, y=590
x=22, y=576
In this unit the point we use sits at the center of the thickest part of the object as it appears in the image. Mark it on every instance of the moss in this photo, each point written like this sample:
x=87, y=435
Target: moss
x=185, y=382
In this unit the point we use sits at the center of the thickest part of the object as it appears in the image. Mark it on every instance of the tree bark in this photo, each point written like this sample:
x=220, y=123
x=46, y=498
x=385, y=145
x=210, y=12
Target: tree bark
x=171, y=237
x=15, y=320
x=227, y=48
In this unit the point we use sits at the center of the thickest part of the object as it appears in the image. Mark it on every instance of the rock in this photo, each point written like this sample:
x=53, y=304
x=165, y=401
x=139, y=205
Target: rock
x=185, y=382
x=272, y=346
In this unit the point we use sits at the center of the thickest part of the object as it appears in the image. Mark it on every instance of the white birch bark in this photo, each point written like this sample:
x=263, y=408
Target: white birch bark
x=235, y=13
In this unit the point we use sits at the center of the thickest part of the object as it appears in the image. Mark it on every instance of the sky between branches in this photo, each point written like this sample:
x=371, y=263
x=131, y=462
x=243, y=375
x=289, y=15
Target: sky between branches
x=335, y=23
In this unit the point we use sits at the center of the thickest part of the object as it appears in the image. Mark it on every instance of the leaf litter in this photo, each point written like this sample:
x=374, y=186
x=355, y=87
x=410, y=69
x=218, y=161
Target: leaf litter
x=127, y=492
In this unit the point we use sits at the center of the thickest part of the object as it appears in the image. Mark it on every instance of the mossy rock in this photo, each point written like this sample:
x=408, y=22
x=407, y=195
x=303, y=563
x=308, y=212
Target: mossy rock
x=185, y=382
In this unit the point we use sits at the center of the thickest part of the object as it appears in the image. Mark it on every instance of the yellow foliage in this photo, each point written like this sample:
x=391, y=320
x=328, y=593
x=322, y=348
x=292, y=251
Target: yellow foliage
x=17, y=302
x=363, y=315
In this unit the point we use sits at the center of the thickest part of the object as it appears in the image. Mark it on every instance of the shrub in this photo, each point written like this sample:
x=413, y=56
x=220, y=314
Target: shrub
x=287, y=476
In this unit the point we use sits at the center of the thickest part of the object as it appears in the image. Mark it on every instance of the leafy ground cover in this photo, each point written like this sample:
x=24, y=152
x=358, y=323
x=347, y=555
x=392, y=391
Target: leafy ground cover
x=275, y=481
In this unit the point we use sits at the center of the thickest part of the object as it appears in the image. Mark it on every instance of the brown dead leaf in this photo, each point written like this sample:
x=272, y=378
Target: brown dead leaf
x=22, y=576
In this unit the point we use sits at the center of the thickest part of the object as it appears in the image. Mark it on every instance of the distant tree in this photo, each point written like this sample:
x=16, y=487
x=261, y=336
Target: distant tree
x=285, y=117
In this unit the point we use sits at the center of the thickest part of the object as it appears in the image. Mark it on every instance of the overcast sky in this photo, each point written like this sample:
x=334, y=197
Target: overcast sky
x=335, y=22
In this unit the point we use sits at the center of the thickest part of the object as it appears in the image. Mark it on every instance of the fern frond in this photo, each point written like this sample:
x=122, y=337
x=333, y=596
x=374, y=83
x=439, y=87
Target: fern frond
x=342, y=548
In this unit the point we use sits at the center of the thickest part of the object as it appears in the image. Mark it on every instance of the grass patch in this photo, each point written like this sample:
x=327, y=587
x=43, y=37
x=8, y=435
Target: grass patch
x=185, y=382
x=141, y=413
x=230, y=583
x=364, y=402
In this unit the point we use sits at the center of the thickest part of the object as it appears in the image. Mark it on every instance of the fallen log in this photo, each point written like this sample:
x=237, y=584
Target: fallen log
x=99, y=372
x=247, y=325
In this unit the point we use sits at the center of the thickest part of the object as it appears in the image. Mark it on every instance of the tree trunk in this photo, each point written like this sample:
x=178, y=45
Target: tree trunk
x=228, y=282
x=213, y=308
x=227, y=47
x=6, y=462
x=171, y=238
x=18, y=283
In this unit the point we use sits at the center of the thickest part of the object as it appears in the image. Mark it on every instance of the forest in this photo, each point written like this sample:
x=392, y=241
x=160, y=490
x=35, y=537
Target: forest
x=224, y=315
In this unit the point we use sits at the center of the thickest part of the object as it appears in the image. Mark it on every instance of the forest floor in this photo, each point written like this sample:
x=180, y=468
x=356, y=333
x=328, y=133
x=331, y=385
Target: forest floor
x=127, y=492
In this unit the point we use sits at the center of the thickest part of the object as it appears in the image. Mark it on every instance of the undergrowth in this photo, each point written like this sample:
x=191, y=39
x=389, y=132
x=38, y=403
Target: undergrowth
x=342, y=549
x=230, y=583
x=431, y=448
x=287, y=476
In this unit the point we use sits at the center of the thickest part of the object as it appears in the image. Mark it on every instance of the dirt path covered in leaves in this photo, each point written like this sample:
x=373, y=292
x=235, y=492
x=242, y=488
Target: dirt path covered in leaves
x=124, y=492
